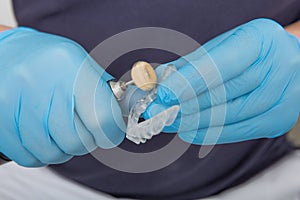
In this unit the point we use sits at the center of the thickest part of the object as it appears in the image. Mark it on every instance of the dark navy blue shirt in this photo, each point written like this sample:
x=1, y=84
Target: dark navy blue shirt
x=90, y=22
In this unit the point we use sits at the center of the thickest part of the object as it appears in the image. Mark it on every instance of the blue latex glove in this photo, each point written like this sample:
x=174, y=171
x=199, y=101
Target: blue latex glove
x=53, y=103
x=259, y=86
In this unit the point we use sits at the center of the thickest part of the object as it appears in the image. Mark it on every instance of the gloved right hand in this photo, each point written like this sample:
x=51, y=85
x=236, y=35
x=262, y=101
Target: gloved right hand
x=54, y=101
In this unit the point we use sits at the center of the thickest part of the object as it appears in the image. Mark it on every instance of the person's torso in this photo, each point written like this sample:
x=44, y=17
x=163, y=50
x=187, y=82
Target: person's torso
x=91, y=22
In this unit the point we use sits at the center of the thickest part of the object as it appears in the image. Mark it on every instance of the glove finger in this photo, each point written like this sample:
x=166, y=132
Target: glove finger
x=272, y=123
x=62, y=127
x=96, y=106
x=214, y=68
x=23, y=157
x=201, y=51
x=109, y=117
x=232, y=89
x=33, y=127
x=195, y=54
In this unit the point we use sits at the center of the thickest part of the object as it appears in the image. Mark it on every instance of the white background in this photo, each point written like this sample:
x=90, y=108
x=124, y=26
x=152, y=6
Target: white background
x=6, y=13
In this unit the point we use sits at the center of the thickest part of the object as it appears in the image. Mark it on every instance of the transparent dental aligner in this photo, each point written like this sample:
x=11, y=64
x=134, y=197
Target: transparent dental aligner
x=140, y=132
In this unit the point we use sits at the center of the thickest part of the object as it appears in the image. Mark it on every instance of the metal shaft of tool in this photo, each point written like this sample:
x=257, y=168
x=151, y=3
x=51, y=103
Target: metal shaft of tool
x=129, y=83
x=143, y=76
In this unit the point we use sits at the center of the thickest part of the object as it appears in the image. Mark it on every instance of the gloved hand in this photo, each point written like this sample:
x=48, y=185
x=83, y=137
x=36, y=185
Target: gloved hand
x=242, y=85
x=54, y=100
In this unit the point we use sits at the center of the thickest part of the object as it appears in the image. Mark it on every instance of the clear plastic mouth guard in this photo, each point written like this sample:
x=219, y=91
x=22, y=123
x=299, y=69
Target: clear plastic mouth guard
x=141, y=132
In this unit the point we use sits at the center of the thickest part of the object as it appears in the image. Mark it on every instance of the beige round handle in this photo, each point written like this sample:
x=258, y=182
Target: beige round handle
x=143, y=75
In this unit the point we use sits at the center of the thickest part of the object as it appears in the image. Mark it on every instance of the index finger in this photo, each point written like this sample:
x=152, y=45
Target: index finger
x=225, y=61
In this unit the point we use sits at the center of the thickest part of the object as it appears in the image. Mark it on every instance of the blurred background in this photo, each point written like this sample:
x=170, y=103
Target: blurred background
x=6, y=13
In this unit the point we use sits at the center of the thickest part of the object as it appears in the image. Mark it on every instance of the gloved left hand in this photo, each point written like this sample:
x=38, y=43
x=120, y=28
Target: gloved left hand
x=242, y=85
